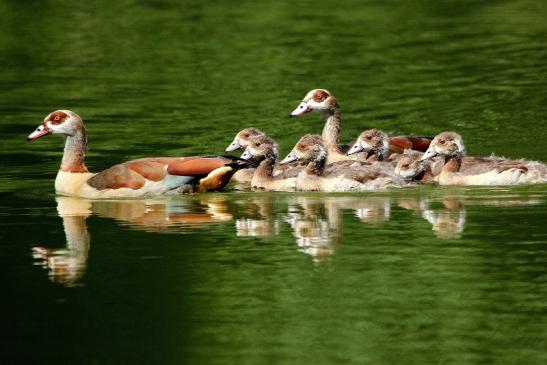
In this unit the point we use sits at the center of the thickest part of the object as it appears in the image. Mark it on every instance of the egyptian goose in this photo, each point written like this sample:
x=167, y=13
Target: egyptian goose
x=338, y=176
x=264, y=150
x=321, y=100
x=460, y=170
x=137, y=178
x=245, y=137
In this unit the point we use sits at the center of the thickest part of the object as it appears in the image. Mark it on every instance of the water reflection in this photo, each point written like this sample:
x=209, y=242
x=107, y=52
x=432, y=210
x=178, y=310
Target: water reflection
x=67, y=265
x=316, y=221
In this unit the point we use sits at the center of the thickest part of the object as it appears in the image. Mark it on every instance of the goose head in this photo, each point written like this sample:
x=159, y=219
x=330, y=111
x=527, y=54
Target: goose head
x=410, y=165
x=63, y=122
x=372, y=140
x=317, y=100
x=260, y=148
x=446, y=144
x=308, y=148
x=243, y=138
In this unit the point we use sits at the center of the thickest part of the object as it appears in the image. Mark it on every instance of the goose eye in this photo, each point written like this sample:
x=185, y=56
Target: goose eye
x=246, y=135
x=442, y=141
x=320, y=96
x=56, y=117
x=405, y=166
x=257, y=144
x=368, y=137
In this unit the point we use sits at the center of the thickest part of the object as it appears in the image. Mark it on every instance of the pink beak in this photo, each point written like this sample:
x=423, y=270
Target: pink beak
x=39, y=132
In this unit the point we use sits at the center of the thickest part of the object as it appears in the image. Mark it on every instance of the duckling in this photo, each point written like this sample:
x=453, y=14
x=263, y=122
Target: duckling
x=339, y=176
x=264, y=150
x=410, y=167
x=460, y=170
x=245, y=137
x=322, y=101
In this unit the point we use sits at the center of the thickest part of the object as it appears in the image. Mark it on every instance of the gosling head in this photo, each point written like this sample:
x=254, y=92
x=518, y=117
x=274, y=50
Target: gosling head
x=260, y=148
x=308, y=148
x=317, y=100
x=63, y=122
x=243, y=138
x=410, y=165
x=371, y=141
x=447, y=144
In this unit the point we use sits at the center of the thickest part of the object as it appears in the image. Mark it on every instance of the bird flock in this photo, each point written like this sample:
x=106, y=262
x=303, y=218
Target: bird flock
x=374, y=161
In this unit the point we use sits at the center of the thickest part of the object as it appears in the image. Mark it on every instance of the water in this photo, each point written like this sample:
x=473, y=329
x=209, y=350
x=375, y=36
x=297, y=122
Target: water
x=428, y=274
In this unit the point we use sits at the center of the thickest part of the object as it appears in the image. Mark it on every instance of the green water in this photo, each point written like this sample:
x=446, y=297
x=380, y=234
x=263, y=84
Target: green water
x=428, y=275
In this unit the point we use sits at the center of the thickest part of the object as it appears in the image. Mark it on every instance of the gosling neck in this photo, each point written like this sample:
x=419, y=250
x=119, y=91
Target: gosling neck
x=317, y=166
x=331, y=130
x=453, y=163
x=74, y=154
x=264, y=171
x=425, y=175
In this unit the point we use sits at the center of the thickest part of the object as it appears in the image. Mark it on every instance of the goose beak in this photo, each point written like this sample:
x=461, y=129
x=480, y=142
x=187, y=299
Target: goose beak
x=357, y=147
x=235, y=145
x=430, y=153
x=290, y=158
x=302, y=108
x=247, y=155
x=38, y=133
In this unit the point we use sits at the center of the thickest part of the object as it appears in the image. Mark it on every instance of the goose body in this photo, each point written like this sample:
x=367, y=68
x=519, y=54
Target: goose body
x=264, y=150
x=462, y=170
x=339, y=176
x=132, y=179
x=247, y=136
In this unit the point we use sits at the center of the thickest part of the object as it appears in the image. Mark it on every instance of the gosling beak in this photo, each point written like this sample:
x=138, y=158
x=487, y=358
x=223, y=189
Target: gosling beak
x=38, y=133
x=430, y=153
x=247, y=155
x=357, y=147
x=235, y=145
x=302, y=108
x=290, y=158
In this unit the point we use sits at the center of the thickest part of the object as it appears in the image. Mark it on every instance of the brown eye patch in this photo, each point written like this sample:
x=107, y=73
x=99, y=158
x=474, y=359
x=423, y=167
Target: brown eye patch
x=57, y=117
x=320, y=95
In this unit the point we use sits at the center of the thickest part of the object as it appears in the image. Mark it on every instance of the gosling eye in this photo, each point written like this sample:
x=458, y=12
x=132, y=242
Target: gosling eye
x=368, y=137
x=442, y=141
x=246, y=135
x=257, y=144
x=406, y=166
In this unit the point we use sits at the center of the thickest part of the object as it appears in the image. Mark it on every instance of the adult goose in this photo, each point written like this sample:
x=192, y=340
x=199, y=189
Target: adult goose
x=136, y=178
x=322, y=101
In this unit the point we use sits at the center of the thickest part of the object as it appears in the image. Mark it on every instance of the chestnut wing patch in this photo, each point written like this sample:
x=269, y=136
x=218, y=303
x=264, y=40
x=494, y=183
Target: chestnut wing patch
x=195, y=166
x=399, y=144
x=134, y=174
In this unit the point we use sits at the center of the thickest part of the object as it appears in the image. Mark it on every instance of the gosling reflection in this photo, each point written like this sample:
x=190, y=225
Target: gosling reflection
x=259, y=218
x=316, y=226
x=447, y=223
x=67, y=265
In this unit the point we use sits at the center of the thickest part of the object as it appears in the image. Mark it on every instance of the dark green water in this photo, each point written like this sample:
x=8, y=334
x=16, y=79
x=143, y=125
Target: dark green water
x=428, y=275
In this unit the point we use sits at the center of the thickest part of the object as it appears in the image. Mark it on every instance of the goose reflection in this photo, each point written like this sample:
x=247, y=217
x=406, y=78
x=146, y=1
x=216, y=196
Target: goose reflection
x=67, y=265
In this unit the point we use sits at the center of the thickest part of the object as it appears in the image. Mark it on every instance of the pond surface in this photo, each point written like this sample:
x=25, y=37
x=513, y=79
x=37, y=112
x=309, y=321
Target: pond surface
x=426, y=274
